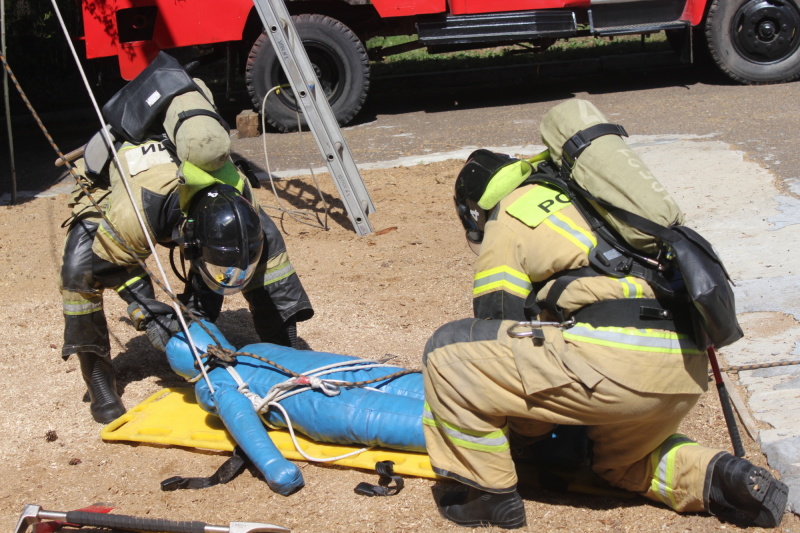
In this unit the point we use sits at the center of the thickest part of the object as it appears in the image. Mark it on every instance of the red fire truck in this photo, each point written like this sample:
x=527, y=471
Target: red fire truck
x=752, y=41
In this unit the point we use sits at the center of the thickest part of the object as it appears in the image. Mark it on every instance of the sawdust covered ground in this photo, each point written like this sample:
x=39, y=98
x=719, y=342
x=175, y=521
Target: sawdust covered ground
x=375, y=295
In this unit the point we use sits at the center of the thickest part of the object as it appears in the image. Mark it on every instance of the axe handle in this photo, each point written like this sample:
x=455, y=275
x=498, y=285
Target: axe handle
x=132, y=523
x=727, y=410
x=76, y=153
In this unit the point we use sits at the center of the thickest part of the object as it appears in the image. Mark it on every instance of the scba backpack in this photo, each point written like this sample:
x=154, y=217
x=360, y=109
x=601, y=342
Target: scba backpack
x=638, y=225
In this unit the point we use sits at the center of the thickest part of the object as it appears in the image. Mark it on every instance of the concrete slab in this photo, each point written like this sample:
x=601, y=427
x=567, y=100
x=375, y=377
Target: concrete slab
x=738, y=207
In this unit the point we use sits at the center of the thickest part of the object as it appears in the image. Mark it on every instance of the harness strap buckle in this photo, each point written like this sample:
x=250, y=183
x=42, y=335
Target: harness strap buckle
x=533, y=328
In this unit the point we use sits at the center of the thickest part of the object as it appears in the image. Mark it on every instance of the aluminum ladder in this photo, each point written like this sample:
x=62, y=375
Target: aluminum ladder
x=314, y=104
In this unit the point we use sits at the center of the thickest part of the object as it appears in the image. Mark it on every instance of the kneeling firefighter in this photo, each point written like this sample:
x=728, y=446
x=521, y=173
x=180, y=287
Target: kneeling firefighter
x=175, y=150
x=610, y=344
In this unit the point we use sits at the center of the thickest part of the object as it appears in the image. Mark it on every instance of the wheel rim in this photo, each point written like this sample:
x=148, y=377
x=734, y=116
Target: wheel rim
x=766, y=31
x=328, y=67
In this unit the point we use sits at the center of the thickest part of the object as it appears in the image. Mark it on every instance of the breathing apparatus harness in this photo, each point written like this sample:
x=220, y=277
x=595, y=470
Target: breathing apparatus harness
x=692, y=287
x=611, y=257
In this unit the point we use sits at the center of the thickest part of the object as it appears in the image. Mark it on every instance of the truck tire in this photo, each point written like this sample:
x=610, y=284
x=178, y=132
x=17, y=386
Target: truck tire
x=340, y=62
x=755, y=41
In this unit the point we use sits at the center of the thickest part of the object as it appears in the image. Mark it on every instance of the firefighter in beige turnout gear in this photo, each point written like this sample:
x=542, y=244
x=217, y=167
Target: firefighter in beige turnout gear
x=205, y=208
x=630, y=384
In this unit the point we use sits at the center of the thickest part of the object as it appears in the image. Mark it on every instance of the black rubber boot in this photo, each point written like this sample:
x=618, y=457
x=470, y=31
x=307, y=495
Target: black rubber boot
x=741, y=492
x=472, y=507
x=106, y=405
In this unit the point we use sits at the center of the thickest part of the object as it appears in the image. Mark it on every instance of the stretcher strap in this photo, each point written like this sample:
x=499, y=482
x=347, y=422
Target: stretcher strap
x=383, y=488
x=231, y=468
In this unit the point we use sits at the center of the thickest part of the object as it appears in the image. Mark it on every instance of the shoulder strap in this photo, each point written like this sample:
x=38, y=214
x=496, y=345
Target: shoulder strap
x=579, y=142
x=632, y=219
x=184, y=115
x=579, y=196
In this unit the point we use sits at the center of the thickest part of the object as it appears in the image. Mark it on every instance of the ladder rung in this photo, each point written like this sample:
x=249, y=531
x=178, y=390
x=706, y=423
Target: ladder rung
x=321, y=120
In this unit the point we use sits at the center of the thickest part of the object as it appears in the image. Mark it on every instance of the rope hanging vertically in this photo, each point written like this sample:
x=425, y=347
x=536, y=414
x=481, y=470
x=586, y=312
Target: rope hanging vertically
x=124, y=178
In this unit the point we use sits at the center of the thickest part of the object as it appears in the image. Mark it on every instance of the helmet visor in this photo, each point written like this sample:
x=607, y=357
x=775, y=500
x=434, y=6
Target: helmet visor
x=473, y=218
x=474, y=242
x=226, y=280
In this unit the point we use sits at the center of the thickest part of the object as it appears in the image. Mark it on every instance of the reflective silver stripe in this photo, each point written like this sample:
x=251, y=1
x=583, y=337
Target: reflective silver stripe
x=630, y=287
x=562, y=224
x=427, y=415
x=81, y=307
x=494, y=441
x=633, y=339
x=485, y=441
x=502, y=277
x=284, y=270
x=663, y=461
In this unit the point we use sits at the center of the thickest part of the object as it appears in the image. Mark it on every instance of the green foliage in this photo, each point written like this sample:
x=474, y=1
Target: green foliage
x=35, y=19
x=37, y=50
x=581, y=47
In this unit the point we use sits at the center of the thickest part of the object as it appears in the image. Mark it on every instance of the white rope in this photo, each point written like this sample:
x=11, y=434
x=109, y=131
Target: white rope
x=124, y=177
x=356, y=364
x=295, y=214
x=303, y=453
x=348, y=369
x=309, y=380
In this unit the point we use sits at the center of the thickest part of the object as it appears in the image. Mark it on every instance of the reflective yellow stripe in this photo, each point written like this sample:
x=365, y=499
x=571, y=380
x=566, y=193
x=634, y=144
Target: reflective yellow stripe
x=502, y=277
x=130, y=282
x=631, y=288
x=642, y=340
x=662, y=460
x=494, y=441
x=565, y=226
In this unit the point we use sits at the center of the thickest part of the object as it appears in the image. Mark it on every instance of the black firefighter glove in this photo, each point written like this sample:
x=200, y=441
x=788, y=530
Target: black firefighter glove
x=156, y=319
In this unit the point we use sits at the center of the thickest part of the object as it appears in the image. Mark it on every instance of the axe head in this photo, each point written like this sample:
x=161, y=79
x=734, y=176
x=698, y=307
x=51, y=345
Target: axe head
x=256, y=527
x=30, y=515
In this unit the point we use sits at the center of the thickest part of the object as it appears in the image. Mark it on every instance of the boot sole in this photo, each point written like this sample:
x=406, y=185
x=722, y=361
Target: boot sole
x=770, y=494
x=512, y=523
x=484, y=523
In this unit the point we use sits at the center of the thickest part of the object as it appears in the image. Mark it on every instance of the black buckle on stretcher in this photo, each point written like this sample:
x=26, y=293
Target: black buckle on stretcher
x=386, y=471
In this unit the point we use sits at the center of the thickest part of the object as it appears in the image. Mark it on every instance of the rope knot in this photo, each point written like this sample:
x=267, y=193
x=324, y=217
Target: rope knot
x=326, y=387
x=223, y=354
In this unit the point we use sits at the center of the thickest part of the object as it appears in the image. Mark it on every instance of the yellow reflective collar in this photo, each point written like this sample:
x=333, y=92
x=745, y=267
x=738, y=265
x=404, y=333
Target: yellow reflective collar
x=194, y=179
x=533, y=207
x=509, y=178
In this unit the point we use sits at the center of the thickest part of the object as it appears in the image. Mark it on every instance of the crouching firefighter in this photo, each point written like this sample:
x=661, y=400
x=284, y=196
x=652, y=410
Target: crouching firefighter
x=192, y=199
x=614, y=349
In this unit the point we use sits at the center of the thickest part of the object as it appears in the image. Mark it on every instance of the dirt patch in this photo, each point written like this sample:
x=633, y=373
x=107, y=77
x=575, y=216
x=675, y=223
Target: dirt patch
x=380, y=294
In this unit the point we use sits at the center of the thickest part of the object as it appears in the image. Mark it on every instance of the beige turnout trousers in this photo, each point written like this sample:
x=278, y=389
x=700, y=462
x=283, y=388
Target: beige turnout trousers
x=481, y=384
